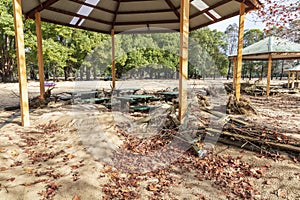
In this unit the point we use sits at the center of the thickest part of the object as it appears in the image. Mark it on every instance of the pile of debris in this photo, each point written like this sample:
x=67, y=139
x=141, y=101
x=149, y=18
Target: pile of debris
x=242, y=106
x=202, y=100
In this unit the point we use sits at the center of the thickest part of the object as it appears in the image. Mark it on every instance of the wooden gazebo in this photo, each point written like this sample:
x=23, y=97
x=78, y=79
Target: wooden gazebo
x=270, y=48
x=293, y=71
x=118, y=16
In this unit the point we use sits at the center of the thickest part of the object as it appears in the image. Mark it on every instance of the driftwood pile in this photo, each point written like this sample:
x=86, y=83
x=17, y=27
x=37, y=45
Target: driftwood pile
x=255, y=137
x=242, y=106
x=36, y=102
x=202, y=100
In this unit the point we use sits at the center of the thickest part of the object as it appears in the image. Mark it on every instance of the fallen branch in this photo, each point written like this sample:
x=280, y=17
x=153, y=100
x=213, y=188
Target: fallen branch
x=256, y=140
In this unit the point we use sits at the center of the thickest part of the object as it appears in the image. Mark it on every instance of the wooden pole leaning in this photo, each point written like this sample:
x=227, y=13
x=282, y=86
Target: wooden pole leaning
x=289, y=78
x=20, y=52
x=113, y=68
x=239, y=52
x=234, y=74
x=269, y=74
x=293, y=80
x=183, y=60
x=40, y=53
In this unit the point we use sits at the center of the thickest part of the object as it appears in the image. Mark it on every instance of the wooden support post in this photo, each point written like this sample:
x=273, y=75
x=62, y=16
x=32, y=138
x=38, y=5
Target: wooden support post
x=269, y=74
x=183, y=60
x=289, y=75
x=20, y=52
x=113, y=68
x=239, y=52
x=293, y=80
x=40, y=53
x=234, y=74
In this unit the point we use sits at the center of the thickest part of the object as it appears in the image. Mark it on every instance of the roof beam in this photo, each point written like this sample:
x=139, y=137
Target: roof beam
x=146, y=22
x=39, y=8
x=173, y=8
x=250, y=3
x=220, y=19
x=146, y=11
x=73, y=26
x=211, y=15
x=220, y=3
x=78, y=15
x=133, y=0
x=115, y=15
x=92, y=6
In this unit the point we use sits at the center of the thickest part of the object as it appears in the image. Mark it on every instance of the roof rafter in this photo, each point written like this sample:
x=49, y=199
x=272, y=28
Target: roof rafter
x=171, y=5
x=74, y=26
x=92, y=6
x=30, y=14
x=133, y=0
x=146, y=22
x=146, y=11
x=115, y=14
x=58, y=10
x=211, y=15
x=220, y=3
x=224, y=17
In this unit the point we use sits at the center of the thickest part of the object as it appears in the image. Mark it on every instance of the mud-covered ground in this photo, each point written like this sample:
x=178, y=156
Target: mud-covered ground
x=69, y=152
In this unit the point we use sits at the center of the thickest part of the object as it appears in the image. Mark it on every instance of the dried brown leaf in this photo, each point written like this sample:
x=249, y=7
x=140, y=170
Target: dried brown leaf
x=282, y=193
x=76, y=197
x=3, y=168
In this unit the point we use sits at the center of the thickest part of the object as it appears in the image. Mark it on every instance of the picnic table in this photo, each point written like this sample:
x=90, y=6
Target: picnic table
x=134, y=98
x=49, y=84
x=127, y=91
x=168, y=96
x=83, y=94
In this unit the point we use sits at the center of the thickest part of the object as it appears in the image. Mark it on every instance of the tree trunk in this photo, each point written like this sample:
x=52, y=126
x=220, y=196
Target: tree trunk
x=94, y=72
x=46, y=73
x=250, y=72
x=282, y=65
x=67, y=71
x=81, y=72
x=88, y=73
x=262, y=71
x=55, y=74
x=229, y=70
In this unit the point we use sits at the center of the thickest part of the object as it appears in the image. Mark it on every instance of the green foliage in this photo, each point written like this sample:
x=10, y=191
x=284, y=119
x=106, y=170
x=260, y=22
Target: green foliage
x=250, y=37
x=7, y=43
x=207, y=55
x=82, y=51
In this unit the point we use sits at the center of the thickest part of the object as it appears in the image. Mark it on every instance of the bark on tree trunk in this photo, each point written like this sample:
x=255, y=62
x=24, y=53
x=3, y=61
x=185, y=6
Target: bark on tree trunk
x=229, y=70
x=81, y=72
x=262, y=71
x=67, y=70
x=88, y=73
x=94, y=72
x=282, y=65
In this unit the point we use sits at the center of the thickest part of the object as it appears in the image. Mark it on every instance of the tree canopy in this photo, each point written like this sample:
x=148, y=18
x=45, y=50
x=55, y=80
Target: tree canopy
x=86, y=55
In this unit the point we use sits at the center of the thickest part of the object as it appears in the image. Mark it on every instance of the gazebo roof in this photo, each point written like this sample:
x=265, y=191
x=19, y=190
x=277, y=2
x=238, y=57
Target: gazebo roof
x=128, y=15
x=294, y=69
x=277, y=47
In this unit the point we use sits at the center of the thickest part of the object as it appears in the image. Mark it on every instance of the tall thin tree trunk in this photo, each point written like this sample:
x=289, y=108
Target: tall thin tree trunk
x=262, y=71
x=81, y=72
x=282, y=65
x=88, y=73
x=94, y=72
x=229, y=70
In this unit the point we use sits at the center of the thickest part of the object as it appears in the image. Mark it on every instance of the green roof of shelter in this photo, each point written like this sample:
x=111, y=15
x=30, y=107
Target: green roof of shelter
x=294, y=69
x=277, y=47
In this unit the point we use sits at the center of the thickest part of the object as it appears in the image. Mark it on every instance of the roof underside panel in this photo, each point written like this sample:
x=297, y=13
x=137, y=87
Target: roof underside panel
x=125, y=15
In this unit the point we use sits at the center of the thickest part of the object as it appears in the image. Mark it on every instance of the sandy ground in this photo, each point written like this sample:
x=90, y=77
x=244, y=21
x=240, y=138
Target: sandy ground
x=65, y=152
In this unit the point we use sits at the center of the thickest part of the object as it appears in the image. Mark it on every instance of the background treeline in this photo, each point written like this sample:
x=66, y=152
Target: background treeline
x=86, y=55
